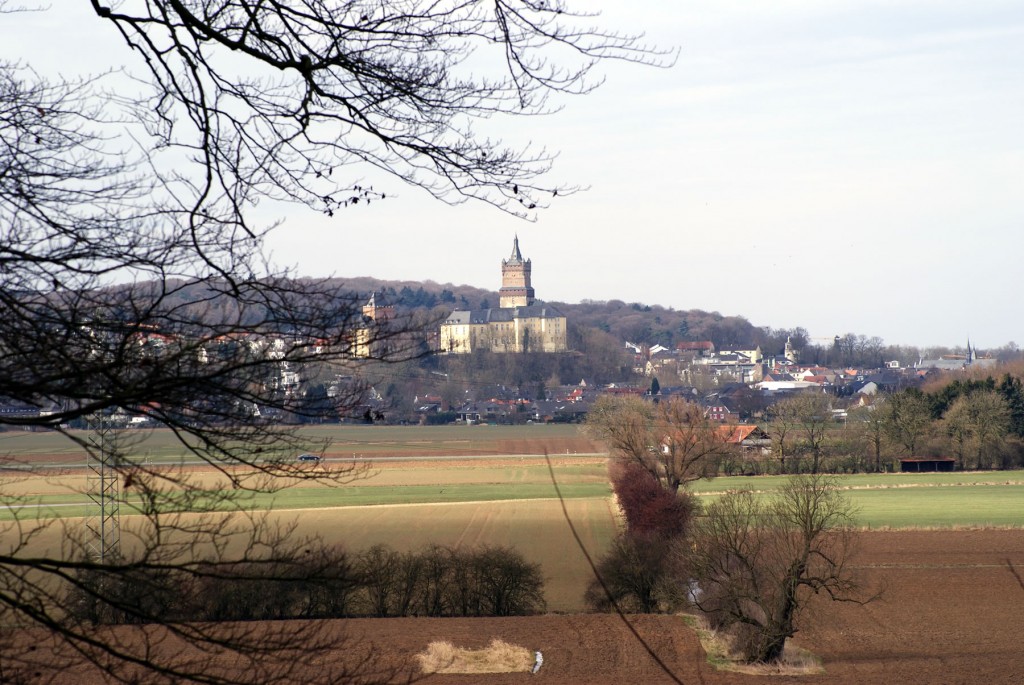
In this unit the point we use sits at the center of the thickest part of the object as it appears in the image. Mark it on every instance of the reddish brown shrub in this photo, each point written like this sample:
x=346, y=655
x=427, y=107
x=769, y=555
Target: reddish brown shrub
x=649, y=508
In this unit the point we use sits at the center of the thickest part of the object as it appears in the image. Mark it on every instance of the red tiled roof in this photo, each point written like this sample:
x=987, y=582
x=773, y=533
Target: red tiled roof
x=735, y=434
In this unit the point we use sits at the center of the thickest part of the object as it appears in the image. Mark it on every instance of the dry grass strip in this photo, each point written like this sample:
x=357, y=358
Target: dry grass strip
x=720, y=654
x=497, y=657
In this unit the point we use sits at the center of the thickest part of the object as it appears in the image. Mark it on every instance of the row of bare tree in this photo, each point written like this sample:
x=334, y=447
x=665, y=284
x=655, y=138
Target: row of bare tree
x=324, y=582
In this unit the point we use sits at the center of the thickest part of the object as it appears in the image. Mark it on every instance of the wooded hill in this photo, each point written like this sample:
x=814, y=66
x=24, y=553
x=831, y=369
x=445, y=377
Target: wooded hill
x=634, y=322
x=593, y=324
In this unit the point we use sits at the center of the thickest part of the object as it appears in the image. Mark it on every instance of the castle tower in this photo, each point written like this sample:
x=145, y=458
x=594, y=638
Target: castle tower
x=516, y=290
x=376, y=313
x=377, y=308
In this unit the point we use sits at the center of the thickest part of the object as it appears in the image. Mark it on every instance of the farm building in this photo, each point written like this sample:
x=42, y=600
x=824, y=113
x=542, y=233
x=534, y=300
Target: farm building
x=920, y=464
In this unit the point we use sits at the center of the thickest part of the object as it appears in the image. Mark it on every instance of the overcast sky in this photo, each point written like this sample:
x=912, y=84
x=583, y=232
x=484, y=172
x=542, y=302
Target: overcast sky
x=841, y=166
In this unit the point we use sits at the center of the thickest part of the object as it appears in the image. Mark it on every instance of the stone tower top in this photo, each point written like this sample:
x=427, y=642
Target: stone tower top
x=516, y=254
x=377, y=308
x=516, y=290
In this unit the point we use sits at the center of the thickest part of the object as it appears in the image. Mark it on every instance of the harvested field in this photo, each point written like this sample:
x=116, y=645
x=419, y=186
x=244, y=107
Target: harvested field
x=950, y=613
x=534, y=527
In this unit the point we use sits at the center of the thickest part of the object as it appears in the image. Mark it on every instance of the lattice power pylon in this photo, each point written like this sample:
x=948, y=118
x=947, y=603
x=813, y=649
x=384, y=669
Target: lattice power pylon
x=104, y=519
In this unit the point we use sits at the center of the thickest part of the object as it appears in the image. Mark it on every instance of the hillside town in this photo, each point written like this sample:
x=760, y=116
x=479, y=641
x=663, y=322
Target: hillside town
x=735, y=384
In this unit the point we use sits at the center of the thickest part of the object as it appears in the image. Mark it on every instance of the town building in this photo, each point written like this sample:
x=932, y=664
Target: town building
x=520, y=324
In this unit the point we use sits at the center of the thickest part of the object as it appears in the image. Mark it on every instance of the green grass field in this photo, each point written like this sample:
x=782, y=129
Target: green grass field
x=867, y=480
x=912, y=500
x=63, y=494
x=971, y=499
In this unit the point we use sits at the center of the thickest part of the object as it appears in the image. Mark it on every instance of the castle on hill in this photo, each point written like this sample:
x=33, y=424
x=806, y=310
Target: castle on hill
x=520, y=324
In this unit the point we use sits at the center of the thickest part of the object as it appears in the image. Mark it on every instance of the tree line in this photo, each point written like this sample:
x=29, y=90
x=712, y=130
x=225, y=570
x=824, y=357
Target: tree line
x=979, y=422
x=324, y=582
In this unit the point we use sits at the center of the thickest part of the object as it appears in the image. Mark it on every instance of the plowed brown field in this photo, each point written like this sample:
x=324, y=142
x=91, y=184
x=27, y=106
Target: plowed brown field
x=952, y=612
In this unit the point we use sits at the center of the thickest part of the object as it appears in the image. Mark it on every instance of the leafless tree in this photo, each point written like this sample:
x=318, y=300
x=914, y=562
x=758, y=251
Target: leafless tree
x=977, y=422
x=624, y=424
x=755, y=561
x=811, y=414
x=656, y=451
x=639, y=574
x=907, y=417
x=783, y=423
x=133, y=281
x=673, y=440
x=187, y=600
x=869, y=422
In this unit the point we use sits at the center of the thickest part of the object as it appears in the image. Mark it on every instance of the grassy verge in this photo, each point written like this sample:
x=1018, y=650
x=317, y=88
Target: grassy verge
x=718, y=650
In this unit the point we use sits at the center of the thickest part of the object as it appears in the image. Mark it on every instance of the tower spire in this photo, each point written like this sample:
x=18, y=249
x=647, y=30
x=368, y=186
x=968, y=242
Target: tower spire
x=516, y=255
x=516, y=290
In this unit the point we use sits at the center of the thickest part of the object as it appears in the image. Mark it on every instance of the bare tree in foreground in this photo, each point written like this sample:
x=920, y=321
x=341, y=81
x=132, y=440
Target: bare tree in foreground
x=755, y=561
x=656, y=450
x=133, y=282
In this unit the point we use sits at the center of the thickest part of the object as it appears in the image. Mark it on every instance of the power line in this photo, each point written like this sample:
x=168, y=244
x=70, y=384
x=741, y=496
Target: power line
x=611, y=600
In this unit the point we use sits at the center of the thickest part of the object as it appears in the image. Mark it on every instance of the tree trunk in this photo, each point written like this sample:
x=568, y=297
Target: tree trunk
x=770, y=650
x=773, y=640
